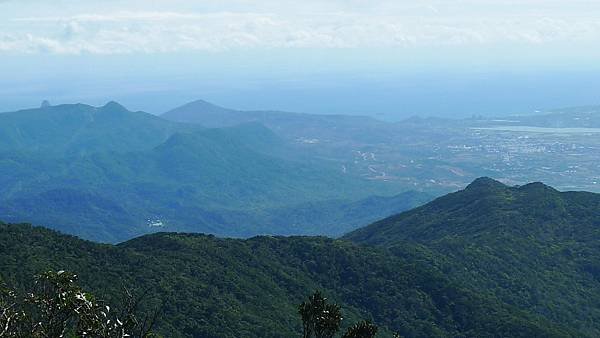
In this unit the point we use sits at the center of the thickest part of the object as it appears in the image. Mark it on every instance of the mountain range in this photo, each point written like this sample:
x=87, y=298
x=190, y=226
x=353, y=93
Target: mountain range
x=109, y=174
x=488, y=260
x=286, y=124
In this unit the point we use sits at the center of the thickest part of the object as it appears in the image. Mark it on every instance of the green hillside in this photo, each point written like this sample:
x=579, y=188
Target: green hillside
x=214, y=287
x=530, y=246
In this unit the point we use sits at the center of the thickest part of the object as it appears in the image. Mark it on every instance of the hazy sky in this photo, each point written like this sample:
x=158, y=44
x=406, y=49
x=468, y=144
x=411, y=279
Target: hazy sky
x=356, y=56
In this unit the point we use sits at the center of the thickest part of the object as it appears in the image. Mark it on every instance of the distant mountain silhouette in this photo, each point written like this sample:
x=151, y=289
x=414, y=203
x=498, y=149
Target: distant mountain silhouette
x=288, y=125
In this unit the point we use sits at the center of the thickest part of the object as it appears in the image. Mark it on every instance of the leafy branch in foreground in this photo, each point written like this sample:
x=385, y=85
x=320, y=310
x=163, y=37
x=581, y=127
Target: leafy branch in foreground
x=58, y=307
x=364, y=329
x=322, y=320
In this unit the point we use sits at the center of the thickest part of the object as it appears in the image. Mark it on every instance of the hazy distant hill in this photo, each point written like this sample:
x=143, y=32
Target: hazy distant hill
x=108, y=174
x=210, y=115
x=571, y=117
x=80, y=129
x=531, y=246
x=251, y=288
x=294, y=126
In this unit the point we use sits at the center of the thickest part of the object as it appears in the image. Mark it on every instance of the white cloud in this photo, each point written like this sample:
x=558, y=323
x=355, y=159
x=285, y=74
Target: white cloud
x=350, y=24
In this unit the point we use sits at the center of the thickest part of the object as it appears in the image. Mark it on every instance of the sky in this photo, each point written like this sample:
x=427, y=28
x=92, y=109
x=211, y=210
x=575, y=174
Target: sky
x=383, y=58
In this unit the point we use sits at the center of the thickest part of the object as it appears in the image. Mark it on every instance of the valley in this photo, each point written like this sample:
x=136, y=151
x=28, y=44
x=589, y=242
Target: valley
x=204, y=168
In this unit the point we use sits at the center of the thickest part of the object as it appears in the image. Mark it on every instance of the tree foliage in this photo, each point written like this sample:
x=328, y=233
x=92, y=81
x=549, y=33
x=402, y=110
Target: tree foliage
x=364, y=329
x=58, y=307
x=319, y=318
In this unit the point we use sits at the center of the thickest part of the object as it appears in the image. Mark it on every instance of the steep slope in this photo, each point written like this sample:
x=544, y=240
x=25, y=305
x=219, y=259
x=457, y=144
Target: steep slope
x=231, y=288
x=531, y=246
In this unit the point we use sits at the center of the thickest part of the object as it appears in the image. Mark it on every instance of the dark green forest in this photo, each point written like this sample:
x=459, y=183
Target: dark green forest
x=211, y=287
x=530, y=246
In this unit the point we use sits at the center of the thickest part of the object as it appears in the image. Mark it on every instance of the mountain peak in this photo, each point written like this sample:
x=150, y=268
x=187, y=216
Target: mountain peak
x=206, y=107
x=205, y=113
x=486, y=207
x=536, y=186
x=202, y=102
x=45, y=104
x=485, y=183
x=113, y=105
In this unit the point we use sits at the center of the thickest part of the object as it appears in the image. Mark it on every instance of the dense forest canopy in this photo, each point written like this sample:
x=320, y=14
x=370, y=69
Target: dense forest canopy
x=214, y=287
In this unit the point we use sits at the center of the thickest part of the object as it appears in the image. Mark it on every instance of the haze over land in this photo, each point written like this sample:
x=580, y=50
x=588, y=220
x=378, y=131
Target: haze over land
x=109, y=174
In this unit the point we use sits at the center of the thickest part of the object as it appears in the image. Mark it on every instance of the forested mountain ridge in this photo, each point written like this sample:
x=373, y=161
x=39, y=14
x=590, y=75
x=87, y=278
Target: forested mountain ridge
x=531, y=246
x=212, y=287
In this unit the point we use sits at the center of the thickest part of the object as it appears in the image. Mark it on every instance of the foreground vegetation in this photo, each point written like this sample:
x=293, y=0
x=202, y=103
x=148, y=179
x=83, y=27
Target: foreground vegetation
x=210, y=287
x=57, y=306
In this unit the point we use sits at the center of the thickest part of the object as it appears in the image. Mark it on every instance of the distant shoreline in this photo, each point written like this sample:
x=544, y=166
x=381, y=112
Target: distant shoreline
x=542, y=129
